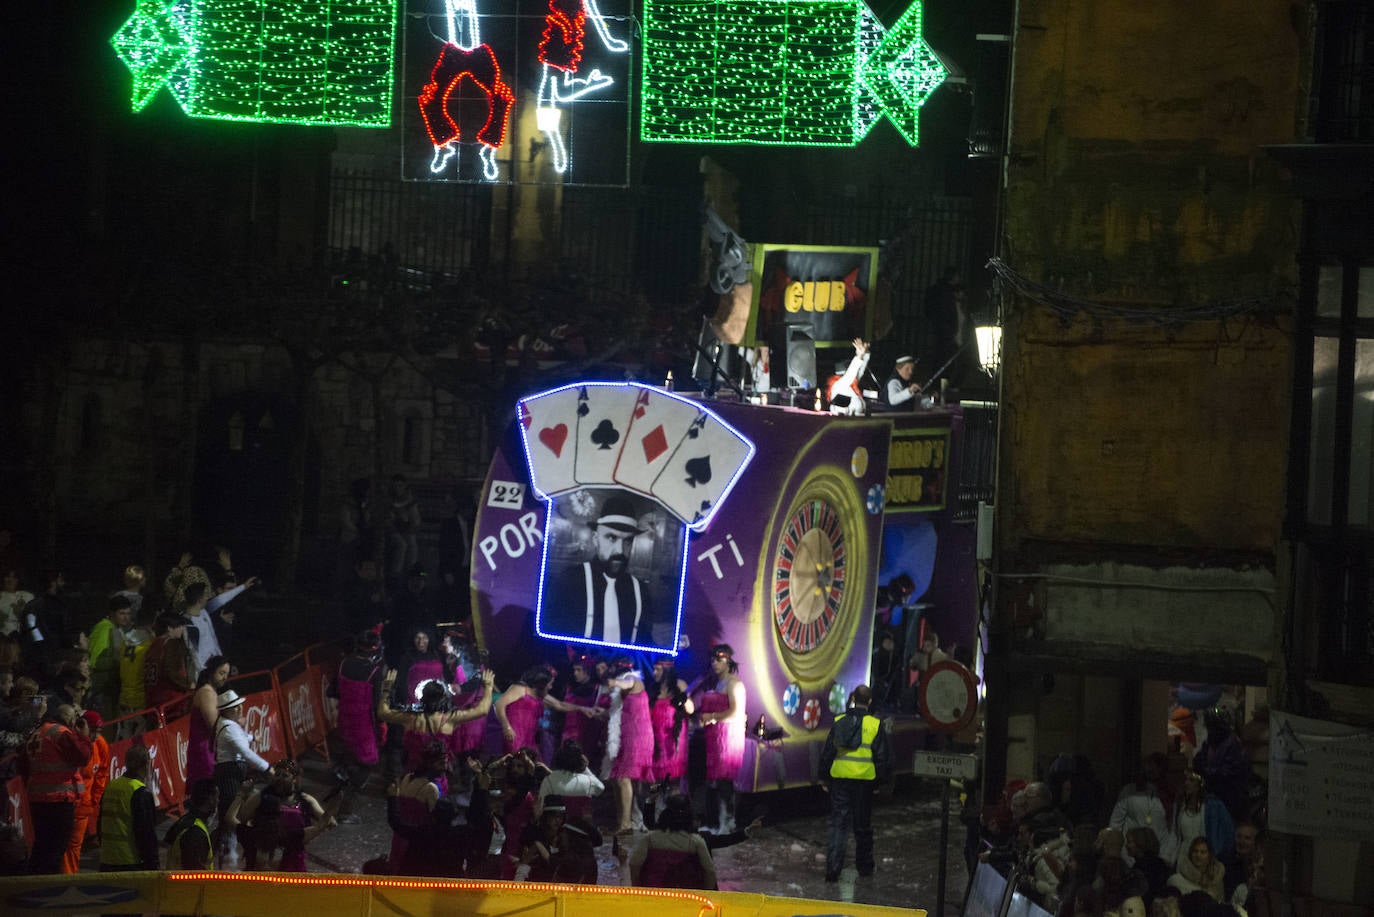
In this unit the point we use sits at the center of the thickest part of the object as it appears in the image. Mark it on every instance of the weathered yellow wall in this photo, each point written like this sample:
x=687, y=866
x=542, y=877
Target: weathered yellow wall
x=1136, y=176
x=1135, y=436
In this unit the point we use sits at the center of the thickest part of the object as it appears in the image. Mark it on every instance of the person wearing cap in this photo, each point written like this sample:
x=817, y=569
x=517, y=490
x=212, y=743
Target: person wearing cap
x=234, y=755
x=843, y=393
x=900, y=389
x=600, y=599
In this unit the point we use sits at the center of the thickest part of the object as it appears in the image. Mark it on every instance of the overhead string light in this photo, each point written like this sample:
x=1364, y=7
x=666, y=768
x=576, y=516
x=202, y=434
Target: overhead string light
x=326, y=62
x=781, y=72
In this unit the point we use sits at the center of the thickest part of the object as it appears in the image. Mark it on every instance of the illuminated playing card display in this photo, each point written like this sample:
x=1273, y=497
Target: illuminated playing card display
x=616, y=434
x=629, y=473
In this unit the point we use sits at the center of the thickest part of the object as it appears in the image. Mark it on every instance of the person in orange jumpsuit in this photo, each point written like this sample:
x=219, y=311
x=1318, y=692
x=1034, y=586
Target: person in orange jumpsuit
x=95, y=775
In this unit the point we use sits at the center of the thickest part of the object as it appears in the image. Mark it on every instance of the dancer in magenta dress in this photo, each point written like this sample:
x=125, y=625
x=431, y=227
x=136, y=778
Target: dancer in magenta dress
x=669, y=708
x=723, y=717
x=629, y=742
x=520, y=707
x=435, y=720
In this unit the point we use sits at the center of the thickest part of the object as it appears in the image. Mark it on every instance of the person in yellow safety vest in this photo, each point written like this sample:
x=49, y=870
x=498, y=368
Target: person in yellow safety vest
x=189, y=835
x=128, y=818
x=56, y=755
x=856, y=757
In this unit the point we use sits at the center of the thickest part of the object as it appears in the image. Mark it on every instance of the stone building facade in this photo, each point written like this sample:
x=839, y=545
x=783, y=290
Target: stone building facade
x=174, y=439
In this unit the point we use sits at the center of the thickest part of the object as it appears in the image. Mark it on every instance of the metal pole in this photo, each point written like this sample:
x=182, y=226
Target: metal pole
x=944, y=850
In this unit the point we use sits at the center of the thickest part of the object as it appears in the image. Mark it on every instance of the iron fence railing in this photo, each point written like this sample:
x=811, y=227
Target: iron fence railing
x=921, y=239
x=635, y=241
x=434, y=227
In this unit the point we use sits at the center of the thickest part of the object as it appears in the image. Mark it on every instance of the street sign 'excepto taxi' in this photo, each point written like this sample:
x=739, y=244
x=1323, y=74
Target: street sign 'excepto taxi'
x=940, y=764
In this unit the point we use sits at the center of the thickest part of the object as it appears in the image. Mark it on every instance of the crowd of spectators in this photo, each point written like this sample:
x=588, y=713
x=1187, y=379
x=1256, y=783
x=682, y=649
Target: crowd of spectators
x=67, y=681
x=1182, y=839
x=416, y=712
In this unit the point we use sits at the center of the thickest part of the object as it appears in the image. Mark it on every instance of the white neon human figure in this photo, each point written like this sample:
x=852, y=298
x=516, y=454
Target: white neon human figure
x=463, y=33
x=554, y=89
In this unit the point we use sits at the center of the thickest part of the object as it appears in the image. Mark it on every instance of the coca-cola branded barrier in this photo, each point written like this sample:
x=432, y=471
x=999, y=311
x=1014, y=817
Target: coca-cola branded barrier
x=284, y=718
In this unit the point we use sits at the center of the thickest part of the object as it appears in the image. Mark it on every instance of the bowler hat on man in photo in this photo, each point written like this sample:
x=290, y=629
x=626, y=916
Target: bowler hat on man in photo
x=617, y=514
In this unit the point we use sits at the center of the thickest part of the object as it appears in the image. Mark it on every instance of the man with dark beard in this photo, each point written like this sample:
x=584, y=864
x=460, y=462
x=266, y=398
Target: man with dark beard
x=599, y=599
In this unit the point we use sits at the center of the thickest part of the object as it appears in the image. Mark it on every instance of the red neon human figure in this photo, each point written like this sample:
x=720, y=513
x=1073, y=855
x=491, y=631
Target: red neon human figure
x=464, y=56
x=560, y=49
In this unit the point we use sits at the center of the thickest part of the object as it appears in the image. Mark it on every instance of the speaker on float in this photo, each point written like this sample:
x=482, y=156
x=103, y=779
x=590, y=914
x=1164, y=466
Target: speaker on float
x=798, y=371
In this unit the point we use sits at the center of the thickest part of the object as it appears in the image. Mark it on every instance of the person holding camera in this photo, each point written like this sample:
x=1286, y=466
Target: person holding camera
x=56, y=755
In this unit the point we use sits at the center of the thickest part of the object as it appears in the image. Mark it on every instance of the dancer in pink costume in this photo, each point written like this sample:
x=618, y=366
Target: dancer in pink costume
x=520, y=706
x=723, y=717
x=629, y=742
x=669, y=707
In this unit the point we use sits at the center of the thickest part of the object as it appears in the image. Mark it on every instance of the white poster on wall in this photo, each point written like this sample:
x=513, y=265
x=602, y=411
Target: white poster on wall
x=1321, y=778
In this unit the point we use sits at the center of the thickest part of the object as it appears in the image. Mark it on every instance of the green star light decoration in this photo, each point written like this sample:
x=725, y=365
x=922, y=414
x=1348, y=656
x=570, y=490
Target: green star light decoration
x=327, y=62
x=151, y=44
x=781, y=72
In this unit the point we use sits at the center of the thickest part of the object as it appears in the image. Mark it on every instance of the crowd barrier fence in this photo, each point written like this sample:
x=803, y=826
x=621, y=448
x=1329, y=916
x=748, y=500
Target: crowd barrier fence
x=287, y=711
x=266, y=894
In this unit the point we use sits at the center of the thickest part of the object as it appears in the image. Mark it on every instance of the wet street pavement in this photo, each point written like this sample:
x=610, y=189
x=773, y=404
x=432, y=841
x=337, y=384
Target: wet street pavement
x=785, y=857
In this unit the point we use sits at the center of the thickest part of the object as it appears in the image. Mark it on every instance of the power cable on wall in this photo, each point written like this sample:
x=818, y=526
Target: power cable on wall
x=1068, y=306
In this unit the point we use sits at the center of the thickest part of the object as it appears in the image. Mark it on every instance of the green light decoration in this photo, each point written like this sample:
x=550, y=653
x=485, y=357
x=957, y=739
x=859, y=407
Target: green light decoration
x=326, y=62
x=781, y=72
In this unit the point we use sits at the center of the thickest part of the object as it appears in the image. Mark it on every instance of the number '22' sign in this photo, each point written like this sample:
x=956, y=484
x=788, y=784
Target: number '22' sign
x=506, y=495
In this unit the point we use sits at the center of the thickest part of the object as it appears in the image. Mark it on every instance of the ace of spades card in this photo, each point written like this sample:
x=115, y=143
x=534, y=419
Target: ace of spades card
x=603, y=416
x=658, y=424
x=701, y=470
x=548, y=425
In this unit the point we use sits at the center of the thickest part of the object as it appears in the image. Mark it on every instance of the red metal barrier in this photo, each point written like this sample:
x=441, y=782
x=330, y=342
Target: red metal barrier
x=302, y=705
x=17, y=808
x=284, y=719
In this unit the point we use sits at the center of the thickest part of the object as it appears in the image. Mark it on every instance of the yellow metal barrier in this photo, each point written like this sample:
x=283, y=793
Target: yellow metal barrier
x=265, y=894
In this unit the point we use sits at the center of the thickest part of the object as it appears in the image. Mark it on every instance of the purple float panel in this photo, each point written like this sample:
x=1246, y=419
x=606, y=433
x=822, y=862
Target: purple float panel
x=786, y=572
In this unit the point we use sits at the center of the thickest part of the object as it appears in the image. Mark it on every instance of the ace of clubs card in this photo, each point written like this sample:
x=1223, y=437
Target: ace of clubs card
x=603, y=416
